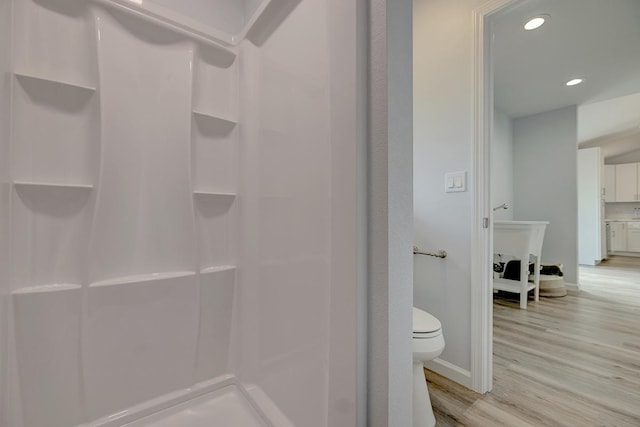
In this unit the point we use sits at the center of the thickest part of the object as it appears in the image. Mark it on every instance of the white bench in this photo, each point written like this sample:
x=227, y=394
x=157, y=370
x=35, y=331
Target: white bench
x=520, y=239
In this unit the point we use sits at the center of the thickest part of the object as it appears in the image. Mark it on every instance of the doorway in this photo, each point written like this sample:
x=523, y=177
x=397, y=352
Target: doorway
x=489, y=21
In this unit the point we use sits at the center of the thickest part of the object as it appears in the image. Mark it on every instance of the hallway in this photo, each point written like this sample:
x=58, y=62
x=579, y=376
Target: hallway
x=566, y=361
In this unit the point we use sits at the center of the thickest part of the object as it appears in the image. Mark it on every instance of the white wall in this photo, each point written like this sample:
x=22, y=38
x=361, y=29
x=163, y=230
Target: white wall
x=299, y=101
x=545, y=182
x=502, y=165
x=589, y=206
x=443, y=98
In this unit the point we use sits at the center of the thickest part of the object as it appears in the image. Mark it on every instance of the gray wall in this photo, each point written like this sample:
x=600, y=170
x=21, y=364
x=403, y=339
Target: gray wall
x=545, y=182
x=443, y=98
x=632, y=157
x=5, y=191
x=502, y=165
x=390, y=214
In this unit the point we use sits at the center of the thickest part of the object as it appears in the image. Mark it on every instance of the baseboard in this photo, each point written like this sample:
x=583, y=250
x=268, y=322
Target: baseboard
x=572, y=286
x=450, y=371
x=632, y=254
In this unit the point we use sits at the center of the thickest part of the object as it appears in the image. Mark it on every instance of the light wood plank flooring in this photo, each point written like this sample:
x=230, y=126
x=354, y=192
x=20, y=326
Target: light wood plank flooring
x=570, y=361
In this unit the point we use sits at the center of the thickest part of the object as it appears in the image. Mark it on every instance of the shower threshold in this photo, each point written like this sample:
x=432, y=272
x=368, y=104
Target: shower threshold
x=224, y=407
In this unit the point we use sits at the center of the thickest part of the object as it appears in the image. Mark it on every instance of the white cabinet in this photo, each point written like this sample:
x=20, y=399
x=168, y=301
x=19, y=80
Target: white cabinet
x=626, y=182
x=609, y=183
x=618, y=237
x=633, y=237
x=637, y=181
x=624, y=236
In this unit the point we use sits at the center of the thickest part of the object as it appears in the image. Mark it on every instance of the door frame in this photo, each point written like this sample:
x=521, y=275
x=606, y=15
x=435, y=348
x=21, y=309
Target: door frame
x=481, y=367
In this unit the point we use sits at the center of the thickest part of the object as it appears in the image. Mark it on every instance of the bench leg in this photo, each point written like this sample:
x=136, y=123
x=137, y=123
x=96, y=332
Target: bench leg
x=523, y=300
x=524, y=281
x=536, y=280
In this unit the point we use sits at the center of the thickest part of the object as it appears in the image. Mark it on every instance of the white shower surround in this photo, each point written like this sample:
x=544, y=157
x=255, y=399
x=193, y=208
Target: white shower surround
x=180, y=202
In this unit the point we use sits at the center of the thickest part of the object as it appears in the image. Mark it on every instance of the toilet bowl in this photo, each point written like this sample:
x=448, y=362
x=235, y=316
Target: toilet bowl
x=428, y=344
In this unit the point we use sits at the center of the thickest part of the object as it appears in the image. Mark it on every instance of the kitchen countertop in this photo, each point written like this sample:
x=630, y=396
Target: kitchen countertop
x=622, y=220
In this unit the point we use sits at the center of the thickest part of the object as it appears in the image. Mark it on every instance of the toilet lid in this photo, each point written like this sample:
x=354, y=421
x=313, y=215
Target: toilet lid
x=423, y=322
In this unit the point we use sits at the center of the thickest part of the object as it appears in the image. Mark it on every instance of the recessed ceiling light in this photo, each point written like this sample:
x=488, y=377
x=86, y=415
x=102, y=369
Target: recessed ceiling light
x=535, y=22
x=574, y=82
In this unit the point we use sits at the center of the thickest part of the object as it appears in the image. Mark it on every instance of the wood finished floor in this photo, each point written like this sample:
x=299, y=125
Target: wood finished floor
x=570, y=361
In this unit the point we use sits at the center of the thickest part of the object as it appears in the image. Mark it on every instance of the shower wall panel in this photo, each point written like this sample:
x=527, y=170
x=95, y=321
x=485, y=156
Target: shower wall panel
x=47, y=338
x=62, y=149
x=216, y=220
x=144, y=216
x=215, y=352
x=55, y=141
x=123, y=185
x=217, y=83
x=215, y=139
x=286, y=188
x=55, y=41
x=215, y=146
x=139, y=341
x=50, y=238
x=53, y=152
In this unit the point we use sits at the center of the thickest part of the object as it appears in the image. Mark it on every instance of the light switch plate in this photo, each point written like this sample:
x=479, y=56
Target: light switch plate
x=455, y=182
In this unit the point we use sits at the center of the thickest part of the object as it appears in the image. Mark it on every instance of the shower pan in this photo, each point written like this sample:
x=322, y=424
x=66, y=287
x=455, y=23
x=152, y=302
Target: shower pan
x=177, y=213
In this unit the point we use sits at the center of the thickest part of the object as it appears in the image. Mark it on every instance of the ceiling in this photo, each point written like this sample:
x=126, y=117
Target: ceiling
x=597, y=40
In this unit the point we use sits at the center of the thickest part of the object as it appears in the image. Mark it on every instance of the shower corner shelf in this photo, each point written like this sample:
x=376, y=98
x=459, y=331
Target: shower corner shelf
x=45, y=288
x=138, y=278
x=227, y=121
x=202, y=193
x=217, y=269
x=57, y=82
x=52, y=185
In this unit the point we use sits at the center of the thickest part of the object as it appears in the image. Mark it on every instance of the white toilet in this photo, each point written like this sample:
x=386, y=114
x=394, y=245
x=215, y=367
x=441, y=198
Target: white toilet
x=428, y=344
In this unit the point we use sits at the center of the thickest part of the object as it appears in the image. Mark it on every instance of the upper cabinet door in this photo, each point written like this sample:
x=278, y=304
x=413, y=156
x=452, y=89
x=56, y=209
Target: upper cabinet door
x=626, y=182
x=609, y=183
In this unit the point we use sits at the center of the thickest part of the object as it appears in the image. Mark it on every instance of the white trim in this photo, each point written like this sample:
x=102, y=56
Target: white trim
x=572, y=286
x=450, y=371
x=620, y=253
x=481, y=368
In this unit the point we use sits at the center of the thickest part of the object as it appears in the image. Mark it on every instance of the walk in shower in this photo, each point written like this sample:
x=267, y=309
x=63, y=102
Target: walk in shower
x=178, y=210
